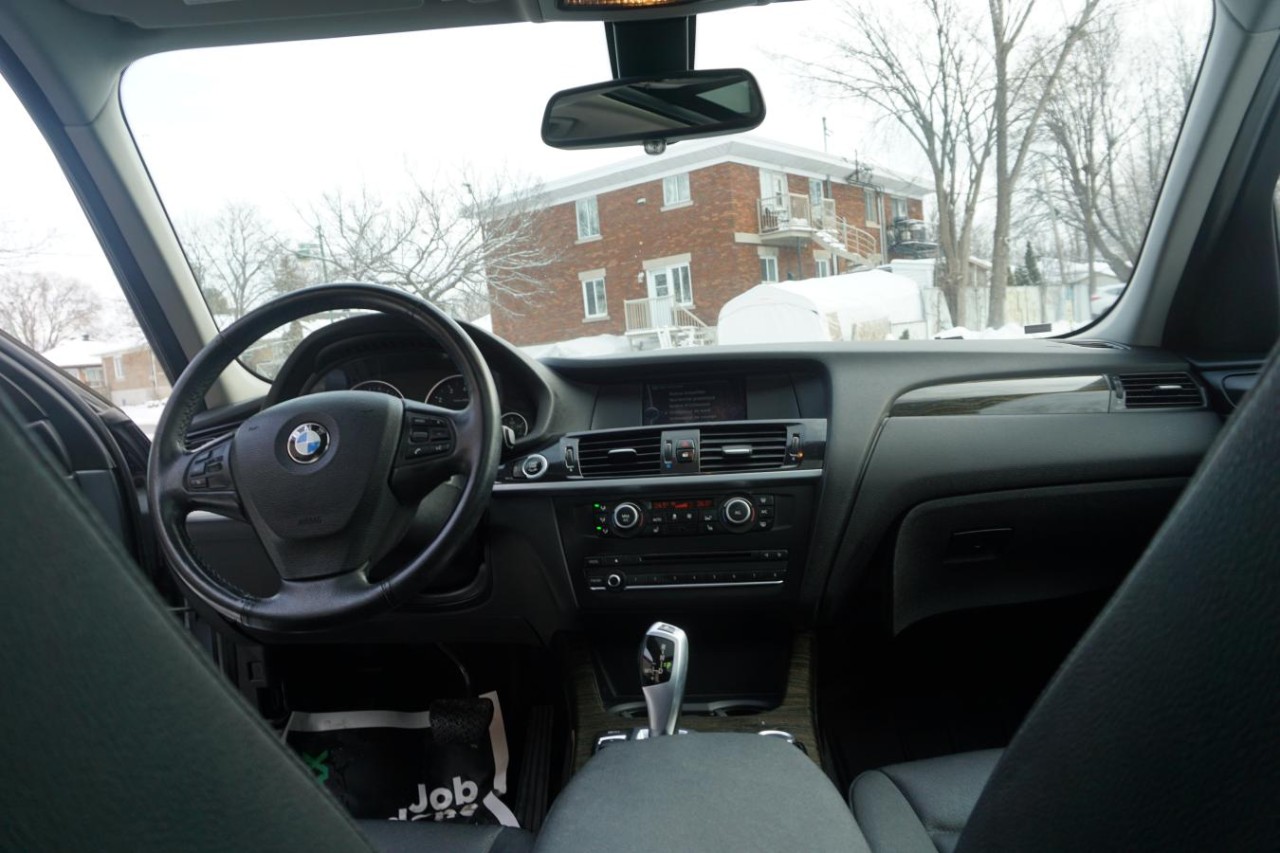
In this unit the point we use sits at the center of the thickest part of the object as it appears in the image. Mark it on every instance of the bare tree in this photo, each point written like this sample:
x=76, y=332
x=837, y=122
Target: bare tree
x=43, y=310
x=1025, y=72
x=923, y=68
x=449, y=242
x=1107, y=136
x=1085, y=129
x=16, y=246
x=233, y=255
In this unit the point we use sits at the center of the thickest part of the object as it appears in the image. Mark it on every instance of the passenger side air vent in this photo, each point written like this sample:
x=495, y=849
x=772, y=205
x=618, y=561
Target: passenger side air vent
x=630, y=453
x=1159, y=391
x=744, y=447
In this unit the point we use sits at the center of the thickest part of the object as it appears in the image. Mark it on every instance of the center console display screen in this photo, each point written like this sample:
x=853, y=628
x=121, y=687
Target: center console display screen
x=693, y=401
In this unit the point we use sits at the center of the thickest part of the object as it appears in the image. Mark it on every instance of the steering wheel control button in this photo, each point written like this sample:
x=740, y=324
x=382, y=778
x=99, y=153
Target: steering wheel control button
x=428, y=437
x=427, y=430
x=533, y=467
x=307, y=443
x=208, y=471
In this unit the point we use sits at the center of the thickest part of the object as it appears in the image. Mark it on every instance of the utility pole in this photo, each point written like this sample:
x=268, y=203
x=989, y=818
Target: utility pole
x=324, y=263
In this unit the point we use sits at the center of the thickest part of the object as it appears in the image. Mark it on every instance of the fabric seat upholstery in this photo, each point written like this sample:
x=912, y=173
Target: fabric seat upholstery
x=920, y=806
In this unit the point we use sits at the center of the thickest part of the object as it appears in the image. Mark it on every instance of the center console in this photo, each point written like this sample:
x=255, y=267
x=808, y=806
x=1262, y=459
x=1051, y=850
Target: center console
x=690, y=541
x=693, y=492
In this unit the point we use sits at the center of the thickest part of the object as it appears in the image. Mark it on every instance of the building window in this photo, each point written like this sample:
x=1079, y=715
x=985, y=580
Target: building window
x=593, y=299
x=871, y=199
x=823, y=267
x=675, y=189
x=671, y=281
x=588, y=218
x=93, y=377
x=768, y=268
x=899, y=208
x=682, y=285
x=117, y=364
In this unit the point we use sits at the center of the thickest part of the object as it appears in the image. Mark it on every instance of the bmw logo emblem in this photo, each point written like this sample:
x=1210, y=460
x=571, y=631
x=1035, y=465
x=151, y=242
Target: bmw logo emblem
x=307, y=443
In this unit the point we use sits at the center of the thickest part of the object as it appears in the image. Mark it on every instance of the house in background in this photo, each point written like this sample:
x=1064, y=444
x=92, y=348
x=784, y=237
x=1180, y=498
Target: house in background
x=652, y=248
x=125, y=373
x=134, y=376
x=81, y=359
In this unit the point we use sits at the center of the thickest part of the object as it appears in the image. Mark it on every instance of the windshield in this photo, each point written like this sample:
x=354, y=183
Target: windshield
x=944, y=169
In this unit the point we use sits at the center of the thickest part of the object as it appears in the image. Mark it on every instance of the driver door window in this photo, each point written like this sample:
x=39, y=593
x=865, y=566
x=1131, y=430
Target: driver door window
x=58, y=294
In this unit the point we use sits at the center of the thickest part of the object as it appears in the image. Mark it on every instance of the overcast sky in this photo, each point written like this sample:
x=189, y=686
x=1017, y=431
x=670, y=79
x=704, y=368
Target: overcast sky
x=279, y=124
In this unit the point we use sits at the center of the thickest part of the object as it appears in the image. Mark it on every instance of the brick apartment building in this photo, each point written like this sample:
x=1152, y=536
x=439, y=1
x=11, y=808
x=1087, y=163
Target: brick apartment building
x=654, y=247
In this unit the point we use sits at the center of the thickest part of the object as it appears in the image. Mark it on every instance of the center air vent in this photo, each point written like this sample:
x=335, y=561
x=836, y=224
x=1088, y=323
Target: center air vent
x=1159, y=391
x=745, y=447
x=629, y=453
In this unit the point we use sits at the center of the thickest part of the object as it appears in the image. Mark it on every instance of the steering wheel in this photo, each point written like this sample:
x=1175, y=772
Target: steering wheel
x=328, y=481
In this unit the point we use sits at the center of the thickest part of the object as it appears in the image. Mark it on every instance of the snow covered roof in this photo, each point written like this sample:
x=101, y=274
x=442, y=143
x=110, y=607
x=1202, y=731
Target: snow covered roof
x=863, y=295
x=80, y=353
x=781, y=311
x=746, y=150
x=1076, y=271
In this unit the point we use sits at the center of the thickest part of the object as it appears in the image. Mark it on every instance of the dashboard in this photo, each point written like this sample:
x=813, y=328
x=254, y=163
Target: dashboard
x=781, y=481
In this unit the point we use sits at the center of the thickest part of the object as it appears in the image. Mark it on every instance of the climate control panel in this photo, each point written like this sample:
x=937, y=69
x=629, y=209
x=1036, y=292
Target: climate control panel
x=721, y=514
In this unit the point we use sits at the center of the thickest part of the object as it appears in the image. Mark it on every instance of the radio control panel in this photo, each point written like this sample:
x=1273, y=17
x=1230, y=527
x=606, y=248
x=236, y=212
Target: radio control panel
x=618, y=573
x=736, y=546
x=722, y=514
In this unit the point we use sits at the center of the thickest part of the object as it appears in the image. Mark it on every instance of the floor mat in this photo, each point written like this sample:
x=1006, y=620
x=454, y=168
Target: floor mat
x=447, y=764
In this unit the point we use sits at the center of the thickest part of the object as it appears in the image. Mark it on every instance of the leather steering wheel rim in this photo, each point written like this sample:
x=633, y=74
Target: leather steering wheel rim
x=260, y=470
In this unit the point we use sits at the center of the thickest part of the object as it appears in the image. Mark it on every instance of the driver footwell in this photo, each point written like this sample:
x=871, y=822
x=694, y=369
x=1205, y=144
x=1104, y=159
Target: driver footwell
x=455, y=735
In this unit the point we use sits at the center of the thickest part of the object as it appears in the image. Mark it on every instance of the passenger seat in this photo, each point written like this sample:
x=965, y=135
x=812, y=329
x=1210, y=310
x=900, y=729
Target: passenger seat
x=1159, y=731
x=920, y=805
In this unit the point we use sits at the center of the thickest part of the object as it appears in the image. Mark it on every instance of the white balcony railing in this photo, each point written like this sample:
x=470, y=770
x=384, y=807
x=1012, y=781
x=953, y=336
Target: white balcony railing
x=658, y=312
x=794, y=212
x=788, y=211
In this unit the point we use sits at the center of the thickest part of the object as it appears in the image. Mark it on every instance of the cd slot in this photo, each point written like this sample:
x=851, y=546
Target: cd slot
x=687, y=558
x=615, y=573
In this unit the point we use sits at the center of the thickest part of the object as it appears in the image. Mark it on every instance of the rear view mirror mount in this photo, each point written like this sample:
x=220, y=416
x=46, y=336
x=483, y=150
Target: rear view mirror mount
x=653, y=110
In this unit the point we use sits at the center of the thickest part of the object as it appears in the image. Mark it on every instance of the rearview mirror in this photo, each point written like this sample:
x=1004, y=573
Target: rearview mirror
x=685, y=105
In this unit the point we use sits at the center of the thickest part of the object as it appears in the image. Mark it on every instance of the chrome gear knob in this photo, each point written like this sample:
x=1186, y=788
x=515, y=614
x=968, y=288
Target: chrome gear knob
x=664, y=666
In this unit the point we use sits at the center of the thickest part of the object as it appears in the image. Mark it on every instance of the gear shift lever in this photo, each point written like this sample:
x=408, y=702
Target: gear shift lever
x=664, y=665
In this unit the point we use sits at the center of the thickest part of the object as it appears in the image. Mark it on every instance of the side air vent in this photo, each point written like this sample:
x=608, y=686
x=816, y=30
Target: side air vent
x=745, y=447
x=631, y=453
x=1159, y=391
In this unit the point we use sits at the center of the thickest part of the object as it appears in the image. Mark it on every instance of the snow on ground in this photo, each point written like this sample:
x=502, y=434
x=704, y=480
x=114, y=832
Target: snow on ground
x=146, y=415
x=581, y=347
x=1010, y=330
